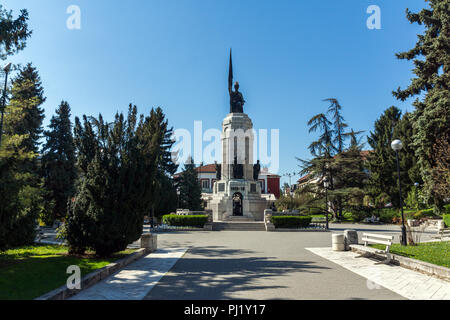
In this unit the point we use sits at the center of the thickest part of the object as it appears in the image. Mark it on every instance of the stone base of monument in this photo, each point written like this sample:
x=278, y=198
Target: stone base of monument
x=243, y=193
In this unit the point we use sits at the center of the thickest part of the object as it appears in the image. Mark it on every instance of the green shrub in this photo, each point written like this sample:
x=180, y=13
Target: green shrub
x=447, y=220
x=293, y=222
x=388, y=215
x=447, y=208
x=427, y=213
x=358, y=216
x=197, y=221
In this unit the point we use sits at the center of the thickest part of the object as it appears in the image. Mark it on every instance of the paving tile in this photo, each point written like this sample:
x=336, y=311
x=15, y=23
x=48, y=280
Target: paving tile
x=407, y=283
x=136, y=280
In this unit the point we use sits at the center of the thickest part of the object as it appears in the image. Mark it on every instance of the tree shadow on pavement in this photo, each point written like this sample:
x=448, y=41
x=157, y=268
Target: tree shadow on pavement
x=215, y=273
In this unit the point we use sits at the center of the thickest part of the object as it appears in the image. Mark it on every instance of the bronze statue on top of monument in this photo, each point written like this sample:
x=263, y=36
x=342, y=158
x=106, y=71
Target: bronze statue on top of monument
x=236, y=98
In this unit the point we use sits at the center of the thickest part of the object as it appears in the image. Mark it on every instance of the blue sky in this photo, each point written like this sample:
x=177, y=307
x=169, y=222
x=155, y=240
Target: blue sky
x=288, y=56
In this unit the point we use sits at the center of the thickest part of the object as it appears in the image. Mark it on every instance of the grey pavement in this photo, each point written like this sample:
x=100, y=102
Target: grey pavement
x=258, y=265
x=410, y=284
x=248, y=265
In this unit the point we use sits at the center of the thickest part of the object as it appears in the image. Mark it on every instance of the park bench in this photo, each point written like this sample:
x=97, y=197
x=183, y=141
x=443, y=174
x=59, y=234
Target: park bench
x=369, y=238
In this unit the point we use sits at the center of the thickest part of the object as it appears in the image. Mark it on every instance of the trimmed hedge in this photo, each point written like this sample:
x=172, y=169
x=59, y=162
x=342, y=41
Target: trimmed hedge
x=426, y=213
x=388, y=215
x=196, y=221
x=293, y=222
x=446, y=218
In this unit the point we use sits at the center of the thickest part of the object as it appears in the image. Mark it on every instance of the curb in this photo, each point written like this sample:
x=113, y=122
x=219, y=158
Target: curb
x=409, y=263
x=299, y=230
x=63, y=293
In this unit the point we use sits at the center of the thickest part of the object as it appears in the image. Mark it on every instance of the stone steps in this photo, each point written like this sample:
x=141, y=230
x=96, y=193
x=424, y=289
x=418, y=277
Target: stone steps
x=239, y=226
x=238, y=219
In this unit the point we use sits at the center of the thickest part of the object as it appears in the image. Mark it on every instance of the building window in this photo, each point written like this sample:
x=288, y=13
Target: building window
x=261, y=182
x=205, y=183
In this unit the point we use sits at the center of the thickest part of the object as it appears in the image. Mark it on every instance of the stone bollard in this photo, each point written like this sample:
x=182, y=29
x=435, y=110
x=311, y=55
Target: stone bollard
x=350, y=237
x=149, y=241
x=440, y=225
x=338, y=242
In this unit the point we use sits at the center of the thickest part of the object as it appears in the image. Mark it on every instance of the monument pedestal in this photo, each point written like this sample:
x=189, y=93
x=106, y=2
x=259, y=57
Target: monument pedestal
x=237, y=197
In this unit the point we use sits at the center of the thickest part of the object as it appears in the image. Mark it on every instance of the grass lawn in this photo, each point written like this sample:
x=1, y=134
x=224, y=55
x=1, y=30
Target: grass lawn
x=433, y=252
x=29, y=272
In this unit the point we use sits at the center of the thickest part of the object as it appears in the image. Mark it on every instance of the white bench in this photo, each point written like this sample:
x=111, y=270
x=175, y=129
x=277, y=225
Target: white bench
x=379, y=239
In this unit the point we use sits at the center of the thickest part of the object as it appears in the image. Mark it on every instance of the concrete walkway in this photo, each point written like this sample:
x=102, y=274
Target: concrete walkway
x=407, y=283
x=135, y=280
x=258, y=266
x=208, y=265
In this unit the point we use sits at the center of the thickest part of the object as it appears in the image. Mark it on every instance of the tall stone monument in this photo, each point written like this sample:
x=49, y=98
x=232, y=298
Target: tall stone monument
x=237, y=193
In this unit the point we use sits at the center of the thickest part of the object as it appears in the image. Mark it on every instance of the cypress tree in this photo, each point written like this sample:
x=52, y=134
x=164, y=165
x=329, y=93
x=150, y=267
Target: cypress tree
x=104, y=214
x=123, y=168
x=58, y=164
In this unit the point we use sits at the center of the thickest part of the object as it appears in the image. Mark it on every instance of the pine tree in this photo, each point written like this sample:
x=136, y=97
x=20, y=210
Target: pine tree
x=21, y=181
x=190, y=191
x=431, y=57
x=13, y=32
x=24, y=114
x=58, y=164
x=381, y=161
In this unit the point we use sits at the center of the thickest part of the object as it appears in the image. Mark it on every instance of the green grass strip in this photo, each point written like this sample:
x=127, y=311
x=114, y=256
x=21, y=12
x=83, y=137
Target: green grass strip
x=29, y=272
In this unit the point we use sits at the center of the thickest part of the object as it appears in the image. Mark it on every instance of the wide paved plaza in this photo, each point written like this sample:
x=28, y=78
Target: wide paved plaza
x=262, y=266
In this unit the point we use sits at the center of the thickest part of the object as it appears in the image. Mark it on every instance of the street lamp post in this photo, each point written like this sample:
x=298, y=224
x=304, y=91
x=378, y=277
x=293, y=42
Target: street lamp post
x=397, y=145
x=416, y=185
x=3, y=105
x=326, y=184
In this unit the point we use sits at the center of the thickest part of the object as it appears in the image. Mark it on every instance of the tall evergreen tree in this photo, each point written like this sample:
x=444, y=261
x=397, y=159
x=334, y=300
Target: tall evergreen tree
x=155, y=138
x=339, y=125
x=24, y=114
x=105, y=213
x=381, y=161
x=13, y=32
x=20, y=144
x=58, y=164
x=190, y=191
x=332, y=160
x=123, y=168
x=431, y=57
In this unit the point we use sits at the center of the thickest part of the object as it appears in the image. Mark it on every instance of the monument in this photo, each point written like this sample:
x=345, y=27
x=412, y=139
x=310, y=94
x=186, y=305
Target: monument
x=237, y=192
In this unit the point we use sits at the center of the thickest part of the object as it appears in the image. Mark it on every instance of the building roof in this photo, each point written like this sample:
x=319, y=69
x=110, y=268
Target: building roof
x=211, y=168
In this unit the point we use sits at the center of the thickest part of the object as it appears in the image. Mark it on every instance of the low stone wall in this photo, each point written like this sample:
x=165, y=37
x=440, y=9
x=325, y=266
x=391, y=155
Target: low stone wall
x=149, y=243
x=63, y=293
